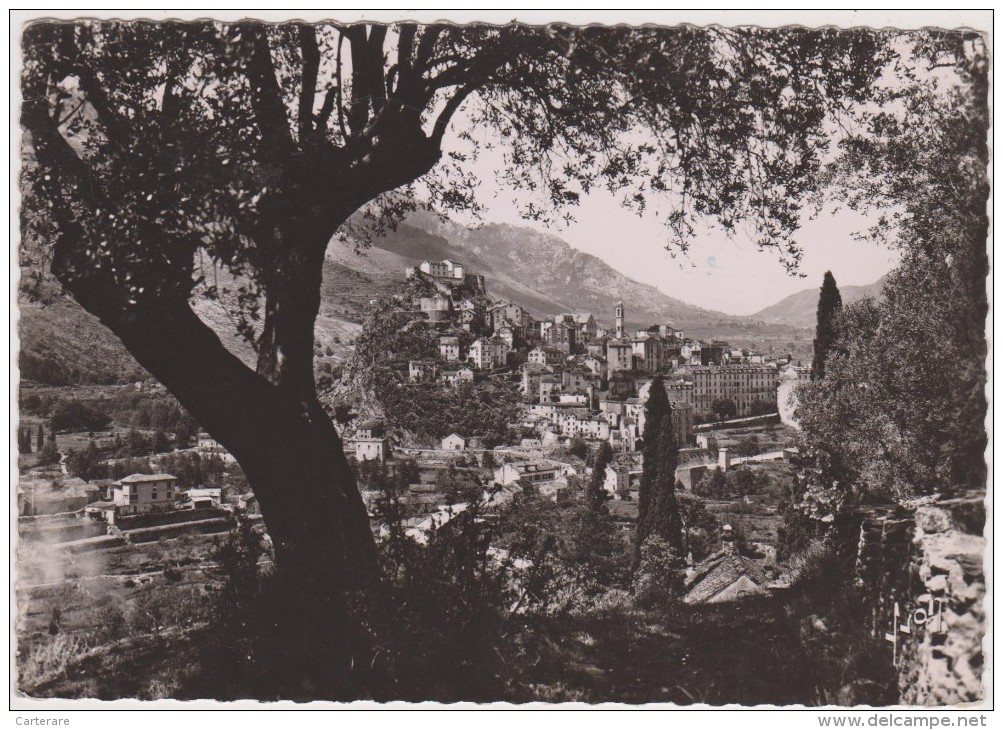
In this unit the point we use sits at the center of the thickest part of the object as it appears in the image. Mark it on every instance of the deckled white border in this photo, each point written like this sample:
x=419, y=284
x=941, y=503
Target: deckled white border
x=980, y=20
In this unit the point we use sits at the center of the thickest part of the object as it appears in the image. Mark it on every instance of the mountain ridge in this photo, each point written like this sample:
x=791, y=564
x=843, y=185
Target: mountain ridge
x=799, y=309
x=538, y=270
x=562, y=278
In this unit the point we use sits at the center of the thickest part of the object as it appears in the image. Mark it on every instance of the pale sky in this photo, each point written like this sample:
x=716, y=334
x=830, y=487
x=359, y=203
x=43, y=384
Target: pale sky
x=724, y=274
x=727, y=275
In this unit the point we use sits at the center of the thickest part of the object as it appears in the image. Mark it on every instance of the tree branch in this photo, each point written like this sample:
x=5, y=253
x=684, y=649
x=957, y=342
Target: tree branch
x=59, y=156
x=405, y=49
x=266, y=95
x=358, y=111
x=429, y=35
x=308, y=91
x=116, y=125
x=442, y=122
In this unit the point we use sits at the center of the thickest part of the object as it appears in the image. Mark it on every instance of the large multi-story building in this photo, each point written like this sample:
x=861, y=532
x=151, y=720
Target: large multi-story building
x=545, y=356
x=442, y=269
x=510, y=312
x=449, y=348
x=619, y=355
x=742, y=384
x=679, y=391
x=488, y=353
x=140, y=493
x=649, y=351
x=563, y=336
x=587, y=327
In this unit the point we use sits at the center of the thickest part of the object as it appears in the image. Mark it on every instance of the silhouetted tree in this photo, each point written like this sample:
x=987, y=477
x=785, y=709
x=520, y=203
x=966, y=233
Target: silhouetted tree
x=656, y=408
x=829, y=305
x=160, y=442
x=663, y=517
x=595, y=492
x=85, y=463
x=594, y=543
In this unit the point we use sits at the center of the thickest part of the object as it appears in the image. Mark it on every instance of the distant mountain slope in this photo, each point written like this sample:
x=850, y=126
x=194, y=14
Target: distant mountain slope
x=541, y=271
x=61, y=343
x=799, y=310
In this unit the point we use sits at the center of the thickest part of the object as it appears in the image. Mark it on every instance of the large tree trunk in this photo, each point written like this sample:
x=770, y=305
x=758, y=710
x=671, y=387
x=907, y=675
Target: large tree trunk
x=293, y=458
x=285, y=442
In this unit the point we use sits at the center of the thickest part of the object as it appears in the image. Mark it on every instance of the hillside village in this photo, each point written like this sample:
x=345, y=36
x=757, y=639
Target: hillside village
x=576, y=382
x=499, y=421
x=580, y=382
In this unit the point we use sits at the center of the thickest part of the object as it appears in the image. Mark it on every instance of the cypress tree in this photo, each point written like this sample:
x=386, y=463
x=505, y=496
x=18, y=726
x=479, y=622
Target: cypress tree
x=829, y=304
x=594, y=532
x=40, y=443
x=595, y=494
x=664, y=519
x=655, y=410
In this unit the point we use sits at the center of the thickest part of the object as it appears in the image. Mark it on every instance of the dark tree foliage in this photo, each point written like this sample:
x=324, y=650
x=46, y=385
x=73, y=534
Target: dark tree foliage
x=160, y=442
x=701, y=528
x=656, y=408
x=830, y=302
x=723, y=408
x=663, y=519
x=85, y=463
x=748, y=445
x=578, y=447
x=595, y=492
x=72, y=415
x=24, y=440
x=48, y=454
x=761, y=407
x=157, y=155
x=902, y=408
x=595, y=545
x=193, y=470
x=40, y=442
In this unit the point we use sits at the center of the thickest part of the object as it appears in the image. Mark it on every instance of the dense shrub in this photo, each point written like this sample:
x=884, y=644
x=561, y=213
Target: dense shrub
x=73, y=415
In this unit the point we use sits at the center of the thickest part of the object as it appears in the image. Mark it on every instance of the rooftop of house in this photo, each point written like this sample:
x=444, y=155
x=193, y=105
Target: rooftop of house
x=56, y=483
x=203, y=492
x=731, y=368
x=532, y=467
x=719, y=571
x=140, y=478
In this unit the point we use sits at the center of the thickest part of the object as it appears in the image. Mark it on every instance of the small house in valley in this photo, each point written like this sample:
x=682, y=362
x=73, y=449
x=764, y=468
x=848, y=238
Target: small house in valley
x=454, y=442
